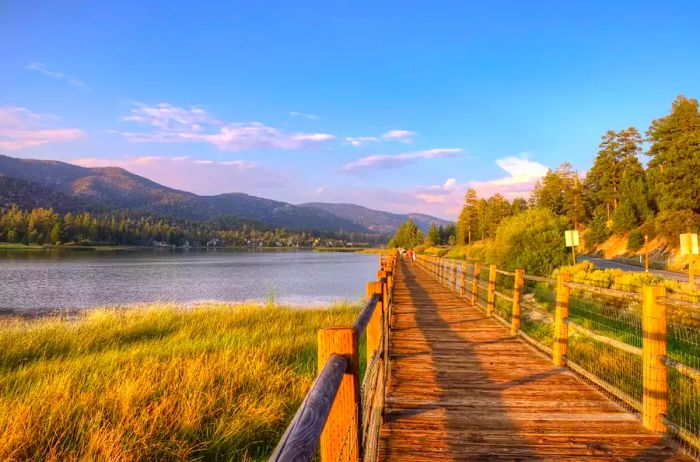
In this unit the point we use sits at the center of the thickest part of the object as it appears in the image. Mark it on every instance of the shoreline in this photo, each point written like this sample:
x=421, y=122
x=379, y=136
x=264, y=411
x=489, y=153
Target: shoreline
x=114, y=248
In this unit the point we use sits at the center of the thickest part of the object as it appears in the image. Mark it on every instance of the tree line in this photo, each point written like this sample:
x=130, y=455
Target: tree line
x=45, y=226
x=618, y=194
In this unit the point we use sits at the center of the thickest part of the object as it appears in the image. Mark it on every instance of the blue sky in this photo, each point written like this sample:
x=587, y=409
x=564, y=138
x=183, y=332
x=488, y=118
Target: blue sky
x=394, y=105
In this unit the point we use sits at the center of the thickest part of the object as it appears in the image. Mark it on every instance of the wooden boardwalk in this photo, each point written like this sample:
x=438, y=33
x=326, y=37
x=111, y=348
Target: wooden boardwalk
x=462, y=388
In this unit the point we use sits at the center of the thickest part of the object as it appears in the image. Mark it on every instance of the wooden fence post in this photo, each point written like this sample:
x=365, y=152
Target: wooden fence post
x=374, y=326
x=654, y=402
x=445, y=272
x=463, y=279
x=561, y=316
x=448, y=273
x=491, y=298
x=518, y=283
x=475, y=282
x=454, y=275
x=343, y=416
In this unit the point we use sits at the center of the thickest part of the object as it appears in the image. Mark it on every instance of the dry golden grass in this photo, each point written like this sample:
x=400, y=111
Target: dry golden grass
x=213, y=382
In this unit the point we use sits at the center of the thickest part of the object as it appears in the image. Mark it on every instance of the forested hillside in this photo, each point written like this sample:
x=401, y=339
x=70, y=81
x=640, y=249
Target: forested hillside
x=376, y=220
x=69, y=188
x=45, y=226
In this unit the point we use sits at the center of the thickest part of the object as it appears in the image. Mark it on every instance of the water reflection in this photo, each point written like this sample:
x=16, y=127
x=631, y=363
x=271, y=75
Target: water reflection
x=37, y=281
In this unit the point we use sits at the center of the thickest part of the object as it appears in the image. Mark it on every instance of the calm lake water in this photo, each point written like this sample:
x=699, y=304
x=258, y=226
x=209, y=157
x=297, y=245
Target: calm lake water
x=39, y=281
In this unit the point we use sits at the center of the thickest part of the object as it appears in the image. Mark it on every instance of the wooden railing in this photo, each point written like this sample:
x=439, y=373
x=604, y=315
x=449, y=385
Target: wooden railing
x=655, y=359
x=341, y=416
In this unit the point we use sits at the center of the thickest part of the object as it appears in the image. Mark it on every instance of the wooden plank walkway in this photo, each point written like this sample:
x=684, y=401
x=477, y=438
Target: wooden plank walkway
x=461, y=388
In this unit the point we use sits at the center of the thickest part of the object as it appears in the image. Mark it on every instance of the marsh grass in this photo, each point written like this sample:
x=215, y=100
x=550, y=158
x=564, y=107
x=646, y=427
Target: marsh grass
x=156, y=383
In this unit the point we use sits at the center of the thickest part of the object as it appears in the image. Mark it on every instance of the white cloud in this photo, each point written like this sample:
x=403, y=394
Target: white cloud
x=383, y=161
x=173, y=124
x=167, y=117
x=450, y=184
x=449, y=197
x=358, y=141
x=521, y=167
x=201, y=176
x=522, y=174
x=21, y=128
x=304, y=115
x=405, y=136
x=43, y=69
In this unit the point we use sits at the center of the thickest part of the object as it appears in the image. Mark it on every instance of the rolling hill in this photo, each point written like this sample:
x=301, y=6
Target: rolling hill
x=376, y=220
x=64, y=187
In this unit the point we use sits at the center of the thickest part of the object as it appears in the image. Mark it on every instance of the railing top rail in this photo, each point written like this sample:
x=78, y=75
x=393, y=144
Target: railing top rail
x=529, y=277
x=604, y=291
x=503, y=296
x=365, y=315
x=301, y=439
x=505, y=273
x=620, y=345
x=679, y=303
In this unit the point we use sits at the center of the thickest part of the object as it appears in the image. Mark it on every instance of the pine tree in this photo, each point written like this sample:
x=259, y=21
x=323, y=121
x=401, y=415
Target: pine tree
x=433, y=235
x=674, y=168
x=466, y=223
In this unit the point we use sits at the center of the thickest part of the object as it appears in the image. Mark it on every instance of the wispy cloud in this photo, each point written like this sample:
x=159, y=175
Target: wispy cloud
x=385, y=161
x=201, y=176
x=173, y=124
x=303, y=115
x=358, y=141
x=21, y=128
x=403, y=136
x=43, y=69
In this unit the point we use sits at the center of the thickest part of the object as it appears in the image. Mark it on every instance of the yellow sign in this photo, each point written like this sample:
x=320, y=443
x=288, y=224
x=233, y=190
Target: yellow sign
x=571, y=238
x=689, y=244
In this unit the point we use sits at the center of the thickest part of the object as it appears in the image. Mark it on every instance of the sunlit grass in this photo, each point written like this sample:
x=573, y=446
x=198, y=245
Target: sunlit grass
x=156, y=383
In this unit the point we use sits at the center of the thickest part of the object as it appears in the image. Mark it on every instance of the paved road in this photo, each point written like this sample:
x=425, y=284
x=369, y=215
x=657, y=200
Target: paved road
x=603, y=263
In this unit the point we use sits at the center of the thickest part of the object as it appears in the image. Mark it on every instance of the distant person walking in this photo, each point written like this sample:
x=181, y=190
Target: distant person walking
x=412, y=257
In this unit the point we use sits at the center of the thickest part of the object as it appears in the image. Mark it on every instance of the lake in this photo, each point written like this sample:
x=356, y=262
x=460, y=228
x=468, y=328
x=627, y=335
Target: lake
x=34, y=281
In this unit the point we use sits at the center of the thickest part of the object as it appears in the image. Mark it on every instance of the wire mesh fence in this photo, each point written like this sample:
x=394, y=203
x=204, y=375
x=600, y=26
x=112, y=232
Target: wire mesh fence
x=683, y=324
x=538, y=303
x=597, y=317
x=504, y=291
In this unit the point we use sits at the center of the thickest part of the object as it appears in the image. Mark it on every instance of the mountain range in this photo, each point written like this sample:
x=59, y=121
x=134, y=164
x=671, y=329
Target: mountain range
x=32, y=183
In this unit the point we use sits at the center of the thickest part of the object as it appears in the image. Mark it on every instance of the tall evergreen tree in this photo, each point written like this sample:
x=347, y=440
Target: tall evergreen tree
x=559, y=192
x=433, y=235
x=467, y=221
x=617, y=155
x=674, y=167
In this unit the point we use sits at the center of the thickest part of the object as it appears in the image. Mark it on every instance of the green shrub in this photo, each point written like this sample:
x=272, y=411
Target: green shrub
x=532, y=240
x=597, y=232
x=635, y=240
x=672, y=223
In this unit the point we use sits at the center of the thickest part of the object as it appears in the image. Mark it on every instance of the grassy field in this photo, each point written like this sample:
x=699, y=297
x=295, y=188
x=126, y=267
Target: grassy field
x=157, y=382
